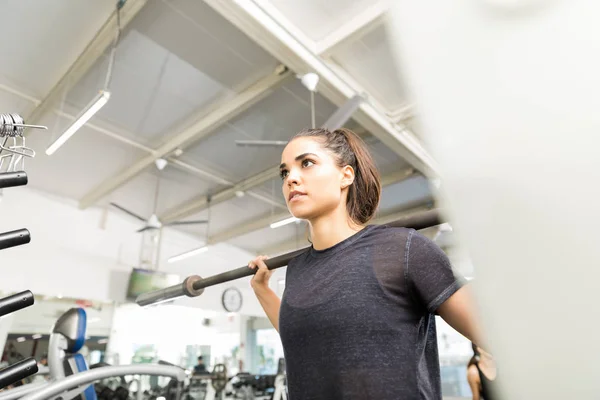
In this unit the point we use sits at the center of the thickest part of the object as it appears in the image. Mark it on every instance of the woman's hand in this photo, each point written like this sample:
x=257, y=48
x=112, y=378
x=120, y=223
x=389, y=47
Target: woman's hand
x=260, y=280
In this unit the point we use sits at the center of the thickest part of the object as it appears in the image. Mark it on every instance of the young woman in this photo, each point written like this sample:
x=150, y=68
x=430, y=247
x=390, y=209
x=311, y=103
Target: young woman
x=356, y=319
x=481, y=374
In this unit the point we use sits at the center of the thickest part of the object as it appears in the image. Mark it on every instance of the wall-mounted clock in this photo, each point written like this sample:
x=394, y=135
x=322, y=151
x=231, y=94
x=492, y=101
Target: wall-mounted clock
x=232, y=299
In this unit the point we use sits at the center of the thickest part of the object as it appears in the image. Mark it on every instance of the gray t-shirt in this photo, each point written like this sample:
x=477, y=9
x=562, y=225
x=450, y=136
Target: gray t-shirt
x=357, y=319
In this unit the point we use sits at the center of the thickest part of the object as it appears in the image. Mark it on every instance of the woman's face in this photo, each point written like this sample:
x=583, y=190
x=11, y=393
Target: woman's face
x=312, y=181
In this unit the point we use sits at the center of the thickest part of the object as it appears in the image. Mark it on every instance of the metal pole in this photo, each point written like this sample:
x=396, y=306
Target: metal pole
x=194, y=285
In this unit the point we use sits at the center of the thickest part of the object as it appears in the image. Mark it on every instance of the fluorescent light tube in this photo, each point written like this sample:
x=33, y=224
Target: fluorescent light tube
x=187, y=254
x=283, y=222
x=88, y=112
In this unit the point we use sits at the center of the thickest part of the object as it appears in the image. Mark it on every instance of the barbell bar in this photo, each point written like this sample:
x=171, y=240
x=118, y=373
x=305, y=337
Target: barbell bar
x=194, y=285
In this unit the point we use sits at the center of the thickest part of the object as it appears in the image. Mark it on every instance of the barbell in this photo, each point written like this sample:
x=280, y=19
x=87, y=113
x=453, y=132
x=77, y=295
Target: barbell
x=218, y=377
x=194, y=285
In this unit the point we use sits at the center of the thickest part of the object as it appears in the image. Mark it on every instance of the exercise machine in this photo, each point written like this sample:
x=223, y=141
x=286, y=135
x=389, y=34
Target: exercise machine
x=69, y=373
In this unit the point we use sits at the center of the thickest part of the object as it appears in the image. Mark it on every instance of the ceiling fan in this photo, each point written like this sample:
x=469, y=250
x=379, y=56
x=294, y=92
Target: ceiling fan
x=335, y=121
x=153, y=222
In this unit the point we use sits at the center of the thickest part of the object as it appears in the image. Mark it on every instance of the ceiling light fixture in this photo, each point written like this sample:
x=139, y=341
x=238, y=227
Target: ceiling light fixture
x=283, y=222
x=98, y=102
x=95, y=105
x=188, y=254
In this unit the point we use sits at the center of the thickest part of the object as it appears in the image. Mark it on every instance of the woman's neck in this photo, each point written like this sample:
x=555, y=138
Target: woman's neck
x=329, y=230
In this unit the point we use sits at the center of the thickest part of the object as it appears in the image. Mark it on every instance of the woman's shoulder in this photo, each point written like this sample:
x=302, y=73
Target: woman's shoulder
x=383, y=232
x=416, y=238
x=473, y=373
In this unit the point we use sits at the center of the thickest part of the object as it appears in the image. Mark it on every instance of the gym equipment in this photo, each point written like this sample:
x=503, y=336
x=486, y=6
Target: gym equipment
x=14, y=238
x=87, y=377
x=10, y=179
x=28, y=366
x=194, y=285
x=12, y=127
x=199, y=389
x=16, y=302
x=218, y=378
x=66, y=364
x=18, y=371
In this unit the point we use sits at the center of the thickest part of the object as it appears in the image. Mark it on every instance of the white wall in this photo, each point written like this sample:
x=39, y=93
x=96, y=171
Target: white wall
x=170, y=329
x=70, y=255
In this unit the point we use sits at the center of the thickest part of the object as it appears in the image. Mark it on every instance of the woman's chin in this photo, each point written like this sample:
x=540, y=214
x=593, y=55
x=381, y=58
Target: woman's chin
x=299, y=212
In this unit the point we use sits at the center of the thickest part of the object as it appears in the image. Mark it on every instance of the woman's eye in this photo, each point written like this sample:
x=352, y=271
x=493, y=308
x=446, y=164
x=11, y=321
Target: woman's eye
x=283, y=173
x=305, y=163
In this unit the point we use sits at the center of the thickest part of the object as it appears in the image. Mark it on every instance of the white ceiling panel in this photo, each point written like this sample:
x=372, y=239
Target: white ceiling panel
x=176, y=186
x=409, y=192
x=318, y=18
x=11, y=103
x=387, y=161
x=277, y=117
x=230, y=214
x=268, y=237
x=150, y=97
x=80, y=164
x=43, y=38
x=169, y=64
x=370, y=62
x=272, y=188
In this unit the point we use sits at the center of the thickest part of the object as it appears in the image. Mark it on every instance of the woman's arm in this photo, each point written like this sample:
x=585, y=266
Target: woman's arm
x=474, y=383
x=460, y=313
x=267, y=297
x=270, y=303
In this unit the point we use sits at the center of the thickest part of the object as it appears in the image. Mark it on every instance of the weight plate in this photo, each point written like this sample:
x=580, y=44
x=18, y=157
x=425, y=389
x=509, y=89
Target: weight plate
x=219, y=377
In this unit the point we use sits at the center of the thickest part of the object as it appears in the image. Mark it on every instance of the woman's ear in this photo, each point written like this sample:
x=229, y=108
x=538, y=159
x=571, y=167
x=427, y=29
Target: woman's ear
x=347, y=176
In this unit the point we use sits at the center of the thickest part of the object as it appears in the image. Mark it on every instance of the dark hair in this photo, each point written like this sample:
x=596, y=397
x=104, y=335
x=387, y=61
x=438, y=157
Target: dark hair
x=200, y=358
x=349, y=149
x=475, y=359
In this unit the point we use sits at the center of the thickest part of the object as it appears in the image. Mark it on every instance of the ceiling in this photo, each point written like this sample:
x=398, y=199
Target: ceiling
x=190, y=77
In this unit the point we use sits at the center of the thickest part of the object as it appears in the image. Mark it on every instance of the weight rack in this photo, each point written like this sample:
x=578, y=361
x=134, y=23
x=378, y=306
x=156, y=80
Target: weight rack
x=13, y=152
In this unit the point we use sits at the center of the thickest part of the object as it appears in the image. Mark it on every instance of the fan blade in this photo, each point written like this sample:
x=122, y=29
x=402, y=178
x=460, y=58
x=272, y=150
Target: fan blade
x=187, y=222
x=343, y=114
x=126, y=211
x=258, y=143
x=145, y=228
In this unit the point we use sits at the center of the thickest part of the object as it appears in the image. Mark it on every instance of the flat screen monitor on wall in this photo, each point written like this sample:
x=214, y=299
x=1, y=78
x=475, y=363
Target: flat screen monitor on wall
x=143, y=280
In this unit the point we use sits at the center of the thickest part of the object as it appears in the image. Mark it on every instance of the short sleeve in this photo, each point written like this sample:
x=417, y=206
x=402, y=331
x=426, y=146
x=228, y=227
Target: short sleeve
x=429, y=273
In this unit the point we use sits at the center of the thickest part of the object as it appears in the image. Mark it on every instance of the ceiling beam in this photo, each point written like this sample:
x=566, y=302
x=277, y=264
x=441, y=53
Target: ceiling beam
x=256, y=21
x=267, y=220
x=295, y=244
x=206, y=123
x=200, y=203
x=92, y=52
x=354, y=29
x=123, y=137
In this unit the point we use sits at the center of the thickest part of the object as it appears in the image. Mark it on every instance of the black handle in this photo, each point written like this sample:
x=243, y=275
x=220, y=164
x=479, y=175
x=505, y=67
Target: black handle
x=14, y=238
x=18, y=371
x=10, y=179
x=16, y=302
